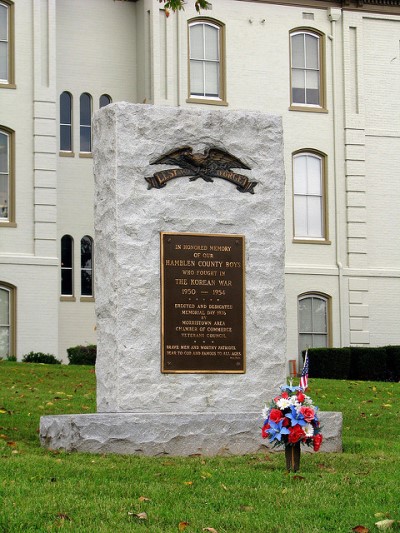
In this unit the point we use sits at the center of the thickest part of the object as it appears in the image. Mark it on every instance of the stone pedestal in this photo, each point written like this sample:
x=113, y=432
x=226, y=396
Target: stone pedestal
x=140, y=409
x=170, y=434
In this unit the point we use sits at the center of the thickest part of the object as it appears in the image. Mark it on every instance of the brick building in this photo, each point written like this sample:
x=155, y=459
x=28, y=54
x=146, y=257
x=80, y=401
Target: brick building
x=330, y=69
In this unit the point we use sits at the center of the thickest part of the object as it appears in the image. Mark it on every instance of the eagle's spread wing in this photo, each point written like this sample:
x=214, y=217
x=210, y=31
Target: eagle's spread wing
x=175, y=157
x=224, y=160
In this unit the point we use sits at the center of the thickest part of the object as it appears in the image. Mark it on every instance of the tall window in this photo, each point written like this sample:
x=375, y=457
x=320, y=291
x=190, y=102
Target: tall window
x=206, y=60
x=85, y=123
x=313, y=321
x=86, y=266
x=306, y=71
x=6, y=43
x=7, y=317
x=309, y=201
x=67, y=269
x=105, y=99
x=6, y=176
x=66, y=122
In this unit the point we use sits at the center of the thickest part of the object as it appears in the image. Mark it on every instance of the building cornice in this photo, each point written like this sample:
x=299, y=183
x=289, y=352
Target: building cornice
x=391, y=7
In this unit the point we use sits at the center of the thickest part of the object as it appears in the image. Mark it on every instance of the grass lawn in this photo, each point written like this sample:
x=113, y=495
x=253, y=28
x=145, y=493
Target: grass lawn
x=43, y=490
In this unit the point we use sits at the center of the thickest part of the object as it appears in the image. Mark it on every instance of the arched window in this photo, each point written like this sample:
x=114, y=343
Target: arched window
x=313, y=321
x=7, y=320
x=306, y=68
x=6, y=176
x=67, y=268
x=6, y=43
x=309, y=197
x=86, y=266
x=105, y=99
x=66, y=122
x=85, y=123
x=206, y=61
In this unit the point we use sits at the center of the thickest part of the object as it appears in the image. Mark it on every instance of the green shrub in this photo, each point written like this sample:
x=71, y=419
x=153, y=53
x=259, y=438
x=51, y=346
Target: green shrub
x=393, y=362
x=39, y=357
x=331, y=363
x=82, y=355
x=11, y=358
x=368, y=364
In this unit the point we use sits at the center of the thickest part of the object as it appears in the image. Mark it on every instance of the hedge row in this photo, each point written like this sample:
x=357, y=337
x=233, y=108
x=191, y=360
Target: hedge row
x=359, y=363
x=40, y=357
x=82, y=355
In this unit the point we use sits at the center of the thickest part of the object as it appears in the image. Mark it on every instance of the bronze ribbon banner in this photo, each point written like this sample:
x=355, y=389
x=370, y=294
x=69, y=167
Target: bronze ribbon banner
x=160, y=179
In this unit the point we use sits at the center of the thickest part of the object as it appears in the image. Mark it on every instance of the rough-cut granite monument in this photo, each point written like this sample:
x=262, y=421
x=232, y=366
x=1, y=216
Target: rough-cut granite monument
x=189, y=218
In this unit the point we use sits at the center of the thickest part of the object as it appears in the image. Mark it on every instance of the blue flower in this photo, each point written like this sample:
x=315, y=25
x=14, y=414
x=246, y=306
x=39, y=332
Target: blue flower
x=277, y=430
x=295, y=417
x=288, y=388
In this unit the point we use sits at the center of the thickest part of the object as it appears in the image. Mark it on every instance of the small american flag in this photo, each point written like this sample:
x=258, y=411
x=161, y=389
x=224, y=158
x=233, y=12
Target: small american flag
x=304, y=373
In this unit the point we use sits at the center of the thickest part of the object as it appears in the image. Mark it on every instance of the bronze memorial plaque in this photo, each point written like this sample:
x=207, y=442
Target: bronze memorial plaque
x=202, y=303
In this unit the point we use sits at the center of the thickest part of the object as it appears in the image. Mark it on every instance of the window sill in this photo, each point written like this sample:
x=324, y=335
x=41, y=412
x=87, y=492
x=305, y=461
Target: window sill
x=8, y=86
x=206, y=101
x=67, y=299
x=308, y=109
x=310, y=241
x=8, y=224
x=86, y=155
x=86, y=299
x=66, y=154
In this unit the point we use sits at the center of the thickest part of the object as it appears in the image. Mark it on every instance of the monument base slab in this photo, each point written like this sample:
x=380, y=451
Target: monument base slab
x=177, y=434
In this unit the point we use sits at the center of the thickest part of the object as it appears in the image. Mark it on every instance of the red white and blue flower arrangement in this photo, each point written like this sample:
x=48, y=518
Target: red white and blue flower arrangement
x=292, y=418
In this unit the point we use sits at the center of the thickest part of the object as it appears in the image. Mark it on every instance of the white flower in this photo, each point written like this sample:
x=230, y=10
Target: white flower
x=283, y=403
x=307, y=401
x=308, y=430
x=265, y=412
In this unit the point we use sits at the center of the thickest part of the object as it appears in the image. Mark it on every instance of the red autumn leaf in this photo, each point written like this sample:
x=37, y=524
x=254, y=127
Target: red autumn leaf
x=360, y=529
x=11, y=443
x=182, y=526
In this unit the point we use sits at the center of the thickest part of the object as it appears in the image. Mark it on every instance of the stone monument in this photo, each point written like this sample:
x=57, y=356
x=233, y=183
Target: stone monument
x=189, y=262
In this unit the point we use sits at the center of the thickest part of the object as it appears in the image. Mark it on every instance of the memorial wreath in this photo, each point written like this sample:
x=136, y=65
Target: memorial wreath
x=292, y=418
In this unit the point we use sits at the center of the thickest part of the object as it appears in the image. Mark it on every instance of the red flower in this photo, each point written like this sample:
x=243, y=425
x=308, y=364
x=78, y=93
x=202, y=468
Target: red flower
x=276, y=400
x=286, y=422
x=317, y=441
x=300, y=397
x=296, y=434
x=275, y=415
x=264, y=431
x=285, y=395
x=308, y=413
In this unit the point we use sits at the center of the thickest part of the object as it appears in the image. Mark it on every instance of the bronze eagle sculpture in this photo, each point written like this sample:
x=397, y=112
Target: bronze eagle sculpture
x=214, y=163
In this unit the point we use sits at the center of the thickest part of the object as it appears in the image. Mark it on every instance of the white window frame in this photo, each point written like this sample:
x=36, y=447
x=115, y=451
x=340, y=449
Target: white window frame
x=87, y=269
x=304, y=106
x=327, y=333
x=310, y=196
x=8, y=81
x=11, y=325
x=105, y=96
x=67, y=124
x=220, y=98
x=63, y=268
x=9, y=220
x=83, y=126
